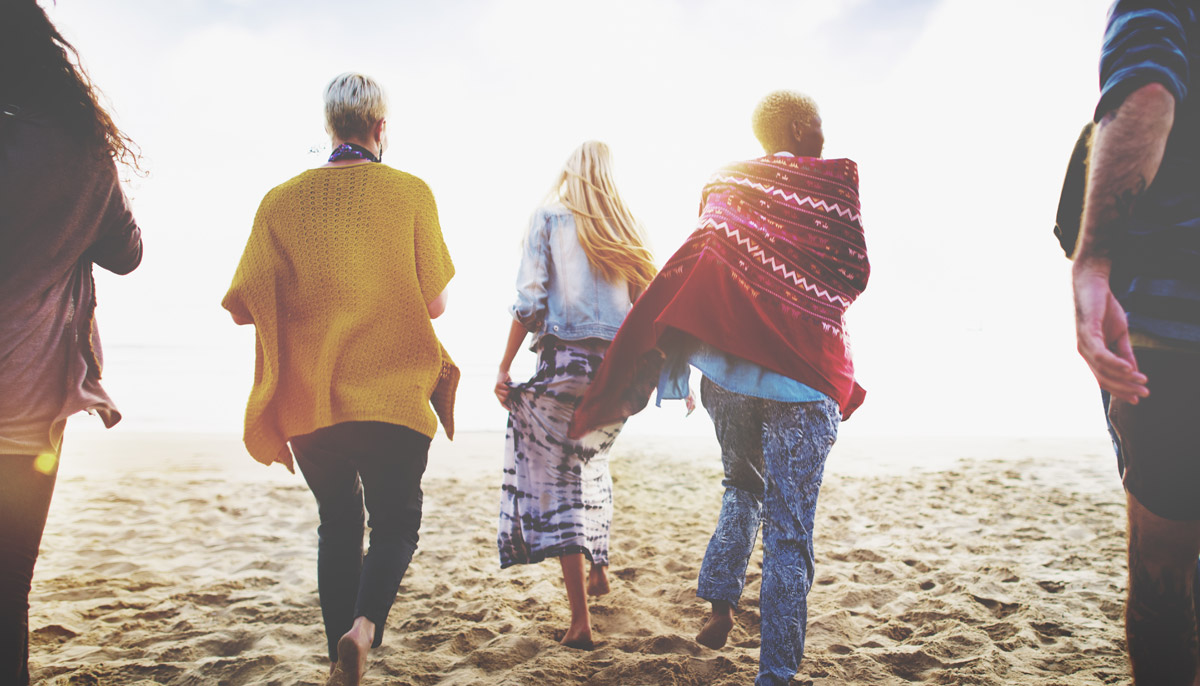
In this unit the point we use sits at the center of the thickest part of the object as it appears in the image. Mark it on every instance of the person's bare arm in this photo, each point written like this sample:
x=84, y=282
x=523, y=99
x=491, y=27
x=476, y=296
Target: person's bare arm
x=516, y=336
x=1126, y=153
x=438, y=305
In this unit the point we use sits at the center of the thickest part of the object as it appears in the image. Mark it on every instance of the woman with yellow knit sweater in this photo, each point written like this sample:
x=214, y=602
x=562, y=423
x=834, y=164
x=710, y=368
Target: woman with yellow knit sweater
x=585, y=261
x=343, y=271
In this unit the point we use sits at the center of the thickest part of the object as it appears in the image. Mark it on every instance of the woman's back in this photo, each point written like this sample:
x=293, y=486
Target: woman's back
x=559, y=292
x=336, y=276
x=59, y=197
x=61, y=209
x=348, y=239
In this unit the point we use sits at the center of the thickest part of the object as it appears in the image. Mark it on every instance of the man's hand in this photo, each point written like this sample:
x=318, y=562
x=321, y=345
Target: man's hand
x=1102, y=335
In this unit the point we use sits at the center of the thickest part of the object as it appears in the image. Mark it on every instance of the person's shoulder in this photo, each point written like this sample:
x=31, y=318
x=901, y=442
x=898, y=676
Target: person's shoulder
x=293, y=186
x=34, y=140
x=1181, y=8
x=1147, y=20
x=553, y=215
x=834, y=162
x=399, y=177
x=840, y=170
x=551, y=210
x=297, y=183
x=401, y=183
x=833, y=166
x=793, y=160
x=1146, y=41
x=36, y=126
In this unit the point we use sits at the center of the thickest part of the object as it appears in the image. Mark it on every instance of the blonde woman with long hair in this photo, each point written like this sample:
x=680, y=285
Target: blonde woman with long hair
x=584, y=262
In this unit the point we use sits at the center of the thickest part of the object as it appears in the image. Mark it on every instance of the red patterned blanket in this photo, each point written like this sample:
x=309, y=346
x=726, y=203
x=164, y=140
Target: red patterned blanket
x=767, y=276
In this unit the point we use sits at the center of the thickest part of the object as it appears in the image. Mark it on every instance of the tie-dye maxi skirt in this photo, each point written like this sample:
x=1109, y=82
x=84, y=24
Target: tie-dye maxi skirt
x=557, y=494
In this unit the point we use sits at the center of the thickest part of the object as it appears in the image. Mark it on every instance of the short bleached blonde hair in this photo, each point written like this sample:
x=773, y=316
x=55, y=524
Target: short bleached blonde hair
x=353, y=104
x=774, y=115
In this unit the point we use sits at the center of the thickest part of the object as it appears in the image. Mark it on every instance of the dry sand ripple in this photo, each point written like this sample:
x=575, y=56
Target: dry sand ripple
x=990, y=572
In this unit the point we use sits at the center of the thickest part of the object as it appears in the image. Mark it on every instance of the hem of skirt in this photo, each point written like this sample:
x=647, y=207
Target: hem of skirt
x=543, y=555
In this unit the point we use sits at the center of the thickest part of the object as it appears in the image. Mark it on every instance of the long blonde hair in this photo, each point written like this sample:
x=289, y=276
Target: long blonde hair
x=612, y=239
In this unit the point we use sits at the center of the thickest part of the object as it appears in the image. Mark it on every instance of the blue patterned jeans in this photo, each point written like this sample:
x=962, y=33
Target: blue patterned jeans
x=774, y=456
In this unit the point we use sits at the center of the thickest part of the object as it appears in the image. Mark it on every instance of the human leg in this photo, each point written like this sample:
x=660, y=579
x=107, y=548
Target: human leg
x=1160, y=445
x=1160, y=615
x=392, y=464
x=352, y=650
x=598, y=580
x=1106, y=399
x=797, y=438
x=335, y=484
x=579, y=635
x=25, y=494
x=556, y=498
x=347, y=465
x=737, y=420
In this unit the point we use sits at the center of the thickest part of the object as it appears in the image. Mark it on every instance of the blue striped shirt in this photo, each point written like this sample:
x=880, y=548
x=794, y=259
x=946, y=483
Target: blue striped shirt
x=1156, y=273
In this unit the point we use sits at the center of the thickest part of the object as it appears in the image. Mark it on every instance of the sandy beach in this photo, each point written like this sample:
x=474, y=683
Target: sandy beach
x=174, y=559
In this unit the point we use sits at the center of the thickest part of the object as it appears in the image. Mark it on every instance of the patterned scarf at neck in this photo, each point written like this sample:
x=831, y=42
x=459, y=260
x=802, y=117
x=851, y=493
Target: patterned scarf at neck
x=351, y=151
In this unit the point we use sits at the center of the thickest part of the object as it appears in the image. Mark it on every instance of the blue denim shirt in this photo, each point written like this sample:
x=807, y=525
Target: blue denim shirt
x=729, y=372
x=558, y=293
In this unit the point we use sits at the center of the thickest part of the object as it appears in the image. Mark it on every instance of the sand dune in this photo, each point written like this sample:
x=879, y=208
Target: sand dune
x=172, y=560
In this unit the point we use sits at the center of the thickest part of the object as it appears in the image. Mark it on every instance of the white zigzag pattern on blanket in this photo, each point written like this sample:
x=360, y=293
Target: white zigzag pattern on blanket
x=774, y=265
x=845, y=213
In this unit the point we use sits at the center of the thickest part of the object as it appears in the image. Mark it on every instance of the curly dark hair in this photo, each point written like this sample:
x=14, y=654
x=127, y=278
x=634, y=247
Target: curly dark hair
x=39, y=69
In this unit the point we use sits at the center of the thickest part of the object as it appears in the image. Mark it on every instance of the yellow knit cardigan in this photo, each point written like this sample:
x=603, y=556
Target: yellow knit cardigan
x=336, y=277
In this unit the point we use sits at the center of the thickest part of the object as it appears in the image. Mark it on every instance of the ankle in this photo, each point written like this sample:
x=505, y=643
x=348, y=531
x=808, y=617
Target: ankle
x=722, y=609
x=578, y=629
x=363, y=628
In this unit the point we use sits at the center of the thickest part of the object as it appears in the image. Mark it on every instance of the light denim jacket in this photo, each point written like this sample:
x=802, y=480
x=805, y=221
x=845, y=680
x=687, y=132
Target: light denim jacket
x=558, y=293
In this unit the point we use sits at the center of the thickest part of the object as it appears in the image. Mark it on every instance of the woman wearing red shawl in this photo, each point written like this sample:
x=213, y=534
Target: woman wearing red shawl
x=755, y=299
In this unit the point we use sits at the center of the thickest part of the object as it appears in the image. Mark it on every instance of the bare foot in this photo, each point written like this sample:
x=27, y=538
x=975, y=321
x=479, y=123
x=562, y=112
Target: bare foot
x=598, y=580
x=578, y=637
x=352, y=654
x=716, y=629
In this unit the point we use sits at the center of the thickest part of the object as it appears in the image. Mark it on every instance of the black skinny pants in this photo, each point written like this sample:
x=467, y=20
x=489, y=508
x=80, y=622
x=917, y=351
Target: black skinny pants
x=344, y=465
x=24, y=503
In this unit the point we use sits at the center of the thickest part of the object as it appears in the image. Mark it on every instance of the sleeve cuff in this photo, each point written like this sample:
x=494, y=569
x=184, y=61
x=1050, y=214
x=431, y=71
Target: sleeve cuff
x=1129, y=80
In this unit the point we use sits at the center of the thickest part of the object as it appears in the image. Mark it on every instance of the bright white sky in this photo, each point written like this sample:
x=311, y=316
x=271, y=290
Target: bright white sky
x=960, y=113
